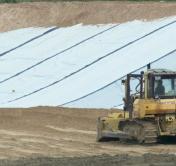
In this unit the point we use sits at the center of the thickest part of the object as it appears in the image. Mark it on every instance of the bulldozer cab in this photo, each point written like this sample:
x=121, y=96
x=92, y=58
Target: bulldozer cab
x=154, y=85
x=161, y=85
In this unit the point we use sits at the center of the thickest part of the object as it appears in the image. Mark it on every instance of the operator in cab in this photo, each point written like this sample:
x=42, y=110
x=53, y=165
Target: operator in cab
x=160, y=89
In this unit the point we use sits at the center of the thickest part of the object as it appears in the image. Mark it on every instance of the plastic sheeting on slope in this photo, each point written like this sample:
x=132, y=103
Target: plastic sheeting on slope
x=45, y=47
x=26, y=56
x=12, y=39
x=111, y=96
x=97, y=75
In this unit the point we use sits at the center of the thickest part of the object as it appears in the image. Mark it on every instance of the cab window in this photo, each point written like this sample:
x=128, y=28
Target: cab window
x=164, y=87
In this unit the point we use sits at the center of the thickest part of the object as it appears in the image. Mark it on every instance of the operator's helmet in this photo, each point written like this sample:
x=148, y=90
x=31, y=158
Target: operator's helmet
x=160, y=82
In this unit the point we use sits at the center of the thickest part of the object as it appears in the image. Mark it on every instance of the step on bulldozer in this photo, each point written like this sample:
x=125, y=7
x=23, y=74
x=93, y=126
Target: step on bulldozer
x=149, y=111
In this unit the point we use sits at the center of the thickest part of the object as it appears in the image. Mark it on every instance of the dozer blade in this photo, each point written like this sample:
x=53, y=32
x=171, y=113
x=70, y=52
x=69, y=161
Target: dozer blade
x=106, y=134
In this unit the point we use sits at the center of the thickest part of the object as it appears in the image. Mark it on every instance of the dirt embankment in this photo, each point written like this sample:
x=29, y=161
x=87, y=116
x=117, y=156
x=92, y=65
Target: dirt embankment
x=14, y=16
x=57, y=132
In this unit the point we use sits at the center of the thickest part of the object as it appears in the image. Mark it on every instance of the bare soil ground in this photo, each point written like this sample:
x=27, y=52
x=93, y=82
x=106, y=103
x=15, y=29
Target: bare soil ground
x=54, y=134
x=14, y=16
x=103, y=160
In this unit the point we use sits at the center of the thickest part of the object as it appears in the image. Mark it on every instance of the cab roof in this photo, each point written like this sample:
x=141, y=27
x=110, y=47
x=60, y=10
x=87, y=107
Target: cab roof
x=160, y=71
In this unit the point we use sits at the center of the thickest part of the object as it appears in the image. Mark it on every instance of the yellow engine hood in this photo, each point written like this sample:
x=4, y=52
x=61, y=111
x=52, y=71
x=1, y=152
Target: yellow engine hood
x=154, y=106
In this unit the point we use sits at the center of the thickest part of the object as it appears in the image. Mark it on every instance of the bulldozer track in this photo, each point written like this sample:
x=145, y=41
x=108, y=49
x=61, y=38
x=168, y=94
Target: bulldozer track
x=141, y=131
x=150, y=132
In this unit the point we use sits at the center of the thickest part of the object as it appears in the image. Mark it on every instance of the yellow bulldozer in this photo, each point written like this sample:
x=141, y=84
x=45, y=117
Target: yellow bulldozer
x=149, y=111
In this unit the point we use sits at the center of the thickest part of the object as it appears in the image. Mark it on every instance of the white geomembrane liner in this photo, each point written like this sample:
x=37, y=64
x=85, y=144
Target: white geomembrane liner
x=94, y=77
x=9, y=40
x=111, y=96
